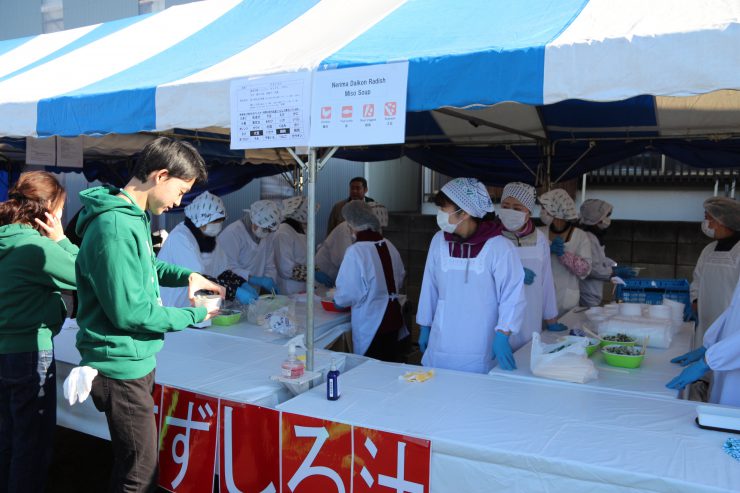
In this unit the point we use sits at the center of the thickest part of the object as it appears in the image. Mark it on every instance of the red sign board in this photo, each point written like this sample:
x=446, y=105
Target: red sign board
x=386, y=462
x=250, y=448
x=187, y=445
x=316, y=455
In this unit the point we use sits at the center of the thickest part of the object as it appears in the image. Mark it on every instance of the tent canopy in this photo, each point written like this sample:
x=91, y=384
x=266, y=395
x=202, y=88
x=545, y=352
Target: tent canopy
x=482, y=72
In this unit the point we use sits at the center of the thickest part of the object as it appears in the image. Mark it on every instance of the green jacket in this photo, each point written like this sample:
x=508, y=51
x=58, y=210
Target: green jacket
x=33, y=269
x=120, y=314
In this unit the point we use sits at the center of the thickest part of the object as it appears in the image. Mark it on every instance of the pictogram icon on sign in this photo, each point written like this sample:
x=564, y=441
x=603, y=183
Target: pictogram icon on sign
x=390, y=108
x=326, y=112
x=368, y=110
x=346, y=111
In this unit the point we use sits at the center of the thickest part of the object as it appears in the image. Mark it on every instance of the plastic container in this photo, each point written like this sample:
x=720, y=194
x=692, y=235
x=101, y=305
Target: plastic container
x=662, y=312
x=594, y=312
x=654, y=291
x=622, y=360
x=630, y=309
x=605, y=342
x=332, y=383
x=210, y=301
x=227, y=317
x=328, y=305
x=292, y=367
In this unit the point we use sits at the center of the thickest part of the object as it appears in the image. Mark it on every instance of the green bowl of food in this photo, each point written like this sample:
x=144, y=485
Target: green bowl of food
x=617, y=339
x=592, y=345
x=226, y=317
x=623, y=356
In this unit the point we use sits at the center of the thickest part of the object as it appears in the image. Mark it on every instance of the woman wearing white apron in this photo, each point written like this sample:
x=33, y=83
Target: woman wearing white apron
x=719, y=353
x=517, y=203
x=570, y=250
x=369, y=280
x=290, y=248
x=595, y=220
x=472, y=294
x=718, y=267
x=193, y=245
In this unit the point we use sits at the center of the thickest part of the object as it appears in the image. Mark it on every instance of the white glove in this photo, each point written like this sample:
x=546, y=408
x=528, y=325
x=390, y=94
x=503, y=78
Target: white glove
x=78, y=384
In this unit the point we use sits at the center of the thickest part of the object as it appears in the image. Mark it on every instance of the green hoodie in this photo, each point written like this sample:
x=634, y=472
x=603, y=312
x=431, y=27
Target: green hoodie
x=121, y=318
x=33, y=269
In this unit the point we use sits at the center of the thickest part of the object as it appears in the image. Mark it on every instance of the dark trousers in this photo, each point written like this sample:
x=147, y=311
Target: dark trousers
x=129, y=409
x=386, y=347
x=28, y=411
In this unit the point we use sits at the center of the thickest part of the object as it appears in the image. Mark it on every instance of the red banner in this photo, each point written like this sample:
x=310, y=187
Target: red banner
x=316, y=455
x=187, y=447
x=386, y=462
x=250, y=448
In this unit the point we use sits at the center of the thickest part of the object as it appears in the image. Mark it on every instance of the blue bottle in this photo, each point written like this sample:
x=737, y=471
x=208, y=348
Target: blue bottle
x=332, y=383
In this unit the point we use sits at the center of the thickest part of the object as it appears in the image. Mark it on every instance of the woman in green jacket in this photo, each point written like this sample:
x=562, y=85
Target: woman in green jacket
x=36, y=262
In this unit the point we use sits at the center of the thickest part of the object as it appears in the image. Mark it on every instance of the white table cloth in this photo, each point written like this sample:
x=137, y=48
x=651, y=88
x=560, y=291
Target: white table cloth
x=494, y=433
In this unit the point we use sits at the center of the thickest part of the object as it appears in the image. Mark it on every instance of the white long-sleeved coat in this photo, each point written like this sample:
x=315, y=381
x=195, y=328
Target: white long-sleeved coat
x=182, y=249
x=290, y=251
x=567, y=284
x=244, y=255
x=592, y=288
x=361, y=285
x=465, y=300
x=722, y=341
x=331, y=252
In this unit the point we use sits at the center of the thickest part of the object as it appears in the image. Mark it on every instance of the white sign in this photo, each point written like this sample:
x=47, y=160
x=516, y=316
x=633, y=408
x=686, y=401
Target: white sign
x=271, y=111
x=359, y=105
x=69, y=152
x=41, y=151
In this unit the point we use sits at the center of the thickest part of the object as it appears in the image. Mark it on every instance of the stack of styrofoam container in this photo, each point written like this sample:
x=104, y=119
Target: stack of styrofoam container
x=659, y=323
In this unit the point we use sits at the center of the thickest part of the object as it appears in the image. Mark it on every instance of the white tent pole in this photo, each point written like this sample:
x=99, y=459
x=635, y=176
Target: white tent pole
x=583, y=188
x=310, y=256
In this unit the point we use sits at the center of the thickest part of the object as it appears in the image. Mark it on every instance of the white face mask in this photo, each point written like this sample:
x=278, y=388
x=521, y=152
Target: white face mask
x=545, y=217
x=605, y=223
x=706, y=229
x=213, y=229
x=443, y=221
x=512, y=219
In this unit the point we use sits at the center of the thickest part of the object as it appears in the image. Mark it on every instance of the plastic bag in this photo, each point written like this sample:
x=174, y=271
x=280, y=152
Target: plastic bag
x=566, y=361
x=257, y=311
x=282, y=322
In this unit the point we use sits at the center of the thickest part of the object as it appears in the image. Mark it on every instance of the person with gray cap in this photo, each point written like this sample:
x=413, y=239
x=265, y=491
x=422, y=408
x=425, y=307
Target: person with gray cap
x=472, y=294
x=595, y=219
x=249, y=248
x=369, y=280
x=515, y=214
x=718, y=268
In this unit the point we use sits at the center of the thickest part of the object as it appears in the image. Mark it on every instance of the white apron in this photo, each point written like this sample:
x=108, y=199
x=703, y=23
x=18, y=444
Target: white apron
x=290, y=250
x=567, y=284
x=722, y=341
x=716, y=275
x=466, y=313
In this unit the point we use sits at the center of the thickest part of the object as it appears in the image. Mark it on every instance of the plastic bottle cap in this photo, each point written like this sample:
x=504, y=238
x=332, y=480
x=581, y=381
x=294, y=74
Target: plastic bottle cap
x=291, y=350
x=333, y=366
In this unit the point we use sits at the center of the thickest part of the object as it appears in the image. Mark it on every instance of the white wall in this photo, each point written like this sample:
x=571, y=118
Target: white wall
x=79, y=13
x=668, y=204
x=19, y=18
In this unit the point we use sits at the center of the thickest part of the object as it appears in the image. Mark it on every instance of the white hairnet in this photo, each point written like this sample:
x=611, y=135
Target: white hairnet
x=296, y=208
x=204, y=209
x=593, y=211
x=360, y=216
x=559, y=205
x=381, y=212
x=470, y=195
x=522, y=192
x=265, y=214
x=725, y=210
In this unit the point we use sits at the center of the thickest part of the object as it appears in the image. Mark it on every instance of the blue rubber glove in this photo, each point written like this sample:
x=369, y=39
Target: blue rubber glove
x=690, y=374
x=267, y=283
x=624, y=271
x=246, y=294
x=557, y=327
x=557, y=247
x=424, y=331
x=529, y=276
x=324, y=279
x=502, y=351
x=690, y=357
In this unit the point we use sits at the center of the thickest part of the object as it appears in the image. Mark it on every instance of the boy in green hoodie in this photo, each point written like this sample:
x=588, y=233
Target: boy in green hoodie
x=120, y=314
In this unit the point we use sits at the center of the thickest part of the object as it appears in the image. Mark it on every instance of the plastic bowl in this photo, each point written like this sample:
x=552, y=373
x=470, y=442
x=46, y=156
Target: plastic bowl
x=605, y=342
x=593, y=345
x=329, y=307
x=209, y=301
x=227, y=317
x=622, y=360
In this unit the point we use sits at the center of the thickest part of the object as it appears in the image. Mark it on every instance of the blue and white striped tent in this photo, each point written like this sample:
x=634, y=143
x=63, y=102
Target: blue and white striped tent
x=480, y=71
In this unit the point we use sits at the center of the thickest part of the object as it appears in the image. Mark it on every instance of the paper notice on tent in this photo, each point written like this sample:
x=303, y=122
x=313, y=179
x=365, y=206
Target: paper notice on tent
x=41, y=151
x=270, y=111
x=359, y=105
x=70, y=152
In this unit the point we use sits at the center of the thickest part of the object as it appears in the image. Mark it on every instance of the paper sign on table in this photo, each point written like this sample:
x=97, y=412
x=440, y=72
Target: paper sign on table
x=187, y=447
x=250, y=448
x=359, y=105
x=387, y=462
x=316, y=455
